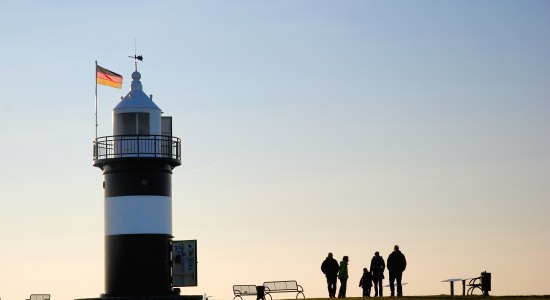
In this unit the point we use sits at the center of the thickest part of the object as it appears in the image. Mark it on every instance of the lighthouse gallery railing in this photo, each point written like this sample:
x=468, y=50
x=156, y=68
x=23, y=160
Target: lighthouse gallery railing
x=126, y=146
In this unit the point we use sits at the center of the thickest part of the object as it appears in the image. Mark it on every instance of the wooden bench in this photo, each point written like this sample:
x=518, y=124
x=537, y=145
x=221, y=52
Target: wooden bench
x=288, y=286
x=244, y=290
x=39, y=297
x=483, y=283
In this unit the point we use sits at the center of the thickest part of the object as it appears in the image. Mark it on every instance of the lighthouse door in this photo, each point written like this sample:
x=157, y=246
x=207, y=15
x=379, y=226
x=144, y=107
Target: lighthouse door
x=166, y=132
x=166, y=126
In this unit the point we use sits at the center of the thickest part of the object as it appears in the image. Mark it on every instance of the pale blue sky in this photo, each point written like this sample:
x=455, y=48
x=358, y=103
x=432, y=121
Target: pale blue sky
x=308, y=127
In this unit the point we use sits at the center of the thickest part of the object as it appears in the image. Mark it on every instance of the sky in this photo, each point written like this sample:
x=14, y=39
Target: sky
x=308, y=127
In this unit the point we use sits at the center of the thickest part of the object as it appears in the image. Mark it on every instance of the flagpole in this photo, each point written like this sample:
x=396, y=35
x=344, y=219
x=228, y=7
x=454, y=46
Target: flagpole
x=95, y=100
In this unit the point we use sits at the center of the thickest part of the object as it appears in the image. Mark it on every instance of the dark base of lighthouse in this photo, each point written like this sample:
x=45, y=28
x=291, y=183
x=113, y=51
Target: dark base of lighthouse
x=137, y=265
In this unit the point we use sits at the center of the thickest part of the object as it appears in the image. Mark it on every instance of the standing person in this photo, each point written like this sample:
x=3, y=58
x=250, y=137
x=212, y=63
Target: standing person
x=377, y=267
x=366, y=282
x=343, y=276
x=330, y=268
x=396, y=265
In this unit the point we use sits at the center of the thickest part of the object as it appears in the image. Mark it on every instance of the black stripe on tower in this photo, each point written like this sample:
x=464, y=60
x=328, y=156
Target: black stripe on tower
x=125, y=179
x=137, y=263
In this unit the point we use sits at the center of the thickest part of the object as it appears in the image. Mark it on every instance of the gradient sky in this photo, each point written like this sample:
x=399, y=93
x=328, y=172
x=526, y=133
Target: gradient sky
x=308, y=127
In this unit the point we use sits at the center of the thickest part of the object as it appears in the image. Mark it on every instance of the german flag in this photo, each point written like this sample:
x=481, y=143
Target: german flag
x=107, y=77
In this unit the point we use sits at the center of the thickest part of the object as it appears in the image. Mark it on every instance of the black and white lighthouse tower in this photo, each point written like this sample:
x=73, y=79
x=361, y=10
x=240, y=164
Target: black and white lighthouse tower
x=137, y=163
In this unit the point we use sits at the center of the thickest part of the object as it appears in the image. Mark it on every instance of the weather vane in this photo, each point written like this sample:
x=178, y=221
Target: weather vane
x=136, y=57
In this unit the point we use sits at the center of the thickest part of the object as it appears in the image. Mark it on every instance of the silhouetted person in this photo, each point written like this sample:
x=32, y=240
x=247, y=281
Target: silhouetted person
x=366, y=282
x=377, y=267
x=343, y=276
x=396, y=265
x=330, y=268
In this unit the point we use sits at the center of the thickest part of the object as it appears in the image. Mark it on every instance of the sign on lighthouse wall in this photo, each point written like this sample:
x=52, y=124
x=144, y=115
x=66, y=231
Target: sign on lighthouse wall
x=184, y=258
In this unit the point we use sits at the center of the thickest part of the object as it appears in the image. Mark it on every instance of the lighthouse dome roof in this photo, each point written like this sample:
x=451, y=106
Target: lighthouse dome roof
x=136, y=99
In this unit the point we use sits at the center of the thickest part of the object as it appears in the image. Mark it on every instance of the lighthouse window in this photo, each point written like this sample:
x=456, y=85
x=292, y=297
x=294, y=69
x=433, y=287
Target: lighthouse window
x=143, y=123
x=133, y=123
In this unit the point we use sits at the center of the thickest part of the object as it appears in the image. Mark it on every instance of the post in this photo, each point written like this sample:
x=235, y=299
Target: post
x=95, y=99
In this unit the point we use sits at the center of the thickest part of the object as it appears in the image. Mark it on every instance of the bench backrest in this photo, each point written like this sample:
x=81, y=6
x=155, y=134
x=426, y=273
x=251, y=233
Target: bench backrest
x=40, y=297
x=244, y=289
x=289, y=285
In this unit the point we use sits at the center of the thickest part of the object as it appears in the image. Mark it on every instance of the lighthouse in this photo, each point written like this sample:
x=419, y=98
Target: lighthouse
x=137, y=162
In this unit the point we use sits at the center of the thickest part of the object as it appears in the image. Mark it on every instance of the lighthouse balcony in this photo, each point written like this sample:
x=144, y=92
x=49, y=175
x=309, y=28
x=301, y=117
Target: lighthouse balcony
x=117, y=147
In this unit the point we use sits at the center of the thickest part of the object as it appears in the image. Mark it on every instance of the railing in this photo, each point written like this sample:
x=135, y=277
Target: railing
x=127, y=146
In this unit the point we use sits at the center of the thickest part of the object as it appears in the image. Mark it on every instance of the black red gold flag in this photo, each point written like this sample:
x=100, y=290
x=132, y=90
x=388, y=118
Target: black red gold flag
x=109, y=78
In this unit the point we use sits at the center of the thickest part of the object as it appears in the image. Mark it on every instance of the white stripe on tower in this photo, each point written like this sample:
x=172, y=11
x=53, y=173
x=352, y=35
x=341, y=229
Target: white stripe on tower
x=138, y=215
